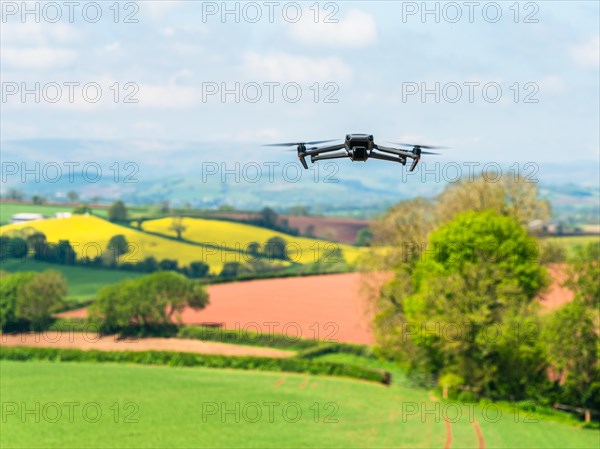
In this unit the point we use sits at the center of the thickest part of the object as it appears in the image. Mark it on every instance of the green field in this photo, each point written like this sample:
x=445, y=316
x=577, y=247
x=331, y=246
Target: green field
x=170, y=407
x=83, y=282
x=7, y=210
x=571, y=243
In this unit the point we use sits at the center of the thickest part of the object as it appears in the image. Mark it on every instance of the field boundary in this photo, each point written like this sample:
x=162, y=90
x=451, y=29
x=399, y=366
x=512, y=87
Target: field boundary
x=187, y=359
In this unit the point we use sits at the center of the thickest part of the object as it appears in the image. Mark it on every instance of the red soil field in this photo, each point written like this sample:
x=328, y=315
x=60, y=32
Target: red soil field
x=328, y=307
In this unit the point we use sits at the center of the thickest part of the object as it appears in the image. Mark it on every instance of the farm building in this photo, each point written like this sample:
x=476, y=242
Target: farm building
x=25, y=216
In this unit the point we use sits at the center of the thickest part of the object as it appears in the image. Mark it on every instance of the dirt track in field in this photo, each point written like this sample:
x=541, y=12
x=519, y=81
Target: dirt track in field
x=86, y=341
x=328, y=307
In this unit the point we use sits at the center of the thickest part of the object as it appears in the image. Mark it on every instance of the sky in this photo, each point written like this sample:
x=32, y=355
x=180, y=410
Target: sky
x=502, y=81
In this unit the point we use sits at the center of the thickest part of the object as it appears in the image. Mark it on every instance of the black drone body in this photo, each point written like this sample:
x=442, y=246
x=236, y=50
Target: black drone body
x=359, y=148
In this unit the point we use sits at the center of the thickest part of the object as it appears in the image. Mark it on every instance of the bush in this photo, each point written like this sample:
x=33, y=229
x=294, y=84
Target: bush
x=230, y=269
x=552, y=252
x=40, y=296
x=276, y=248
x=198, y=270
x=148, y=302
x=452, y=382
x=117, y=246
x=117, y=212
x=82, y=210
x=245, y=337
x=15, y=247
x=336, y=348
x=9, y=290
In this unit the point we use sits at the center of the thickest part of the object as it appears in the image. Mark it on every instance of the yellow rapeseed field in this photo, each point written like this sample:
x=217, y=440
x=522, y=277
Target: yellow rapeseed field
x=89, y=234
x=238, y=236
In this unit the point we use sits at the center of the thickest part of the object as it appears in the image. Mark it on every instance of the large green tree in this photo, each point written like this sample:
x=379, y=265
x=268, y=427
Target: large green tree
x=465, y=306
x=275, y=248
x=117, y=212
x=117, y=246
x=9, y=291
x=40, y=297
x=572, y=345
x=153, y=300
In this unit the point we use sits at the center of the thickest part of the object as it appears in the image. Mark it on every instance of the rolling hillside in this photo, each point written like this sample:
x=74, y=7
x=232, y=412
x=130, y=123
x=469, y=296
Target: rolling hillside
x=87, y=233
x=238, y=236
x=212, y=241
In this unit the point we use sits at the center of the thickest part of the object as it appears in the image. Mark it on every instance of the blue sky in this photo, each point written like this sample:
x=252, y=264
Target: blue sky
x=373, y=55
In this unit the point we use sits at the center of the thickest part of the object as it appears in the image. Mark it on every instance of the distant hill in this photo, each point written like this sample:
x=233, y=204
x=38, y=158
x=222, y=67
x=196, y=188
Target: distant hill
x=249, y=177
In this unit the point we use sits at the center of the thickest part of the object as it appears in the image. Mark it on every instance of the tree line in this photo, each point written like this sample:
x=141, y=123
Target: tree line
x=255, y=259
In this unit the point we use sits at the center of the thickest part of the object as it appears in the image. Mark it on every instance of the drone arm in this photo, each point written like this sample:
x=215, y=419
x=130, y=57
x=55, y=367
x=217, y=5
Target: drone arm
x=315, y=158
x=325, y=149
x=385, y=157
x=396, y=151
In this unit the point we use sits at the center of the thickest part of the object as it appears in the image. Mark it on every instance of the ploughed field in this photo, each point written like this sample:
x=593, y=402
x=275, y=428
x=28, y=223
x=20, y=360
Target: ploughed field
x=330, y=307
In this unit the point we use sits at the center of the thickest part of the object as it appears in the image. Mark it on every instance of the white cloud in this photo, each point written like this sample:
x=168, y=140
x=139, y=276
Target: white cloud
x=153, y=96
x=34, y=34
x=180, y=76
x=33, y=45
x=356, y=29
x=13, y=130
x=156, y=9
x=260, y=135
x=167, y=31
x=113, y=47
x=148, y=127
x=37, y=57
x=551, y=83
x=289, y=68
x=587, y=54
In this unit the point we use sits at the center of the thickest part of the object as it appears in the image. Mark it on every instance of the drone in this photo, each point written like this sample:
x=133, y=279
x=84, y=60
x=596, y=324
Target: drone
x=359, y=148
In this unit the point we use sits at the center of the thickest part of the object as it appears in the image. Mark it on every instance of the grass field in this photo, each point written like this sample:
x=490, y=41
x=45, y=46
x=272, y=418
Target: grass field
x=238, y=235
x=86, y=233
x=83, y=282
x=7, y=210
x=146, y=406
x=571, y=243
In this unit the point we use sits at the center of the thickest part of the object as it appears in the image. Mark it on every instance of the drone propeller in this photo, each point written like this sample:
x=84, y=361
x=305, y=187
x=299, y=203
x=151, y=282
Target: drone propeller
x=305, y=149
x=430, y=152
x=429, y=147
x=293, y=144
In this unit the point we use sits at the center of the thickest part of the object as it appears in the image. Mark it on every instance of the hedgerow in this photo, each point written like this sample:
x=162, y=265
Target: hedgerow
x=171, y=358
